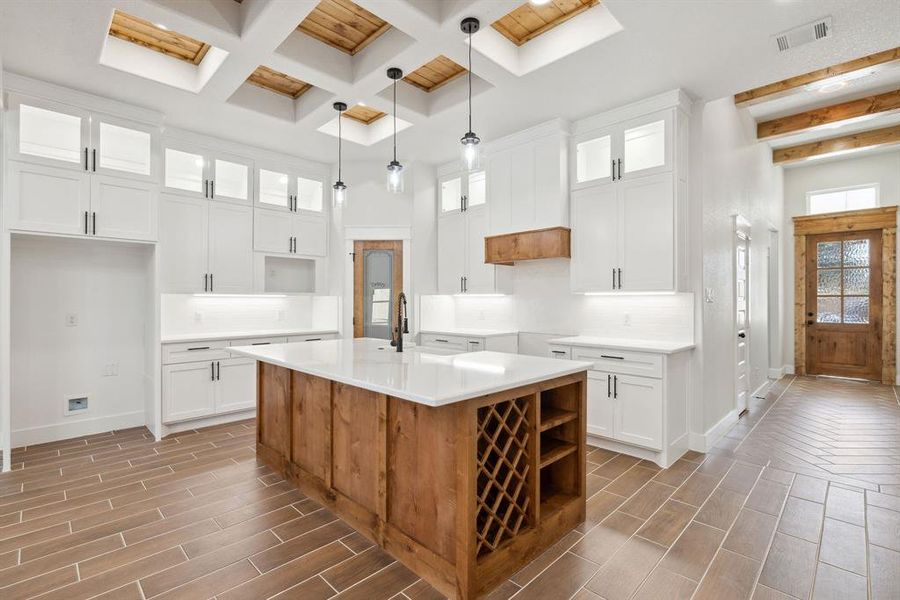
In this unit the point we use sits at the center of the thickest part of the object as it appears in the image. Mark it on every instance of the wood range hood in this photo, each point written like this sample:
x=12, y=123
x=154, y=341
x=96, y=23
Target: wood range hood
x=509, y=248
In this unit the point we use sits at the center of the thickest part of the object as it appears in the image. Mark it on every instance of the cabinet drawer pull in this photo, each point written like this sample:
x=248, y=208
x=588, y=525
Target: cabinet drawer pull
x=611, y=356
x=442, y=341
x=558, y=352
x=260, y=343
x=198, y=348
x=313, y=340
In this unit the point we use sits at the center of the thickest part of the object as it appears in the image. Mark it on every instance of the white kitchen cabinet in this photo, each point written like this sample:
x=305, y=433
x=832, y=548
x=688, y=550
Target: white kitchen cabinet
x=188, y=390
x=48, y=199
x=451, y=259
x=595, y=239
x=230, y=241
x=53, y=200
x=507, y=342
x=235, y=385
x=315, y=337
x=124, y=209
x=281, y=187
x=528, y=181
x=480, y=278
x=205, y=246
x=123, y=148
x=636, y=400
x=279, y=232
x=199, y=172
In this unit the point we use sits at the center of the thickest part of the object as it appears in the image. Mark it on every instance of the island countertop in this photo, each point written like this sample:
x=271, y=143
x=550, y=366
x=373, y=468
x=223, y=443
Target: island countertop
x=422, y=375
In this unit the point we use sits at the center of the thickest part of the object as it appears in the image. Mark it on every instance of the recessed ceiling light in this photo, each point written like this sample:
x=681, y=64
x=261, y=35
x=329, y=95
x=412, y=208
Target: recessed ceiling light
x=539, y=2
x=838, y=82
x=361, y=103
x=161, y=26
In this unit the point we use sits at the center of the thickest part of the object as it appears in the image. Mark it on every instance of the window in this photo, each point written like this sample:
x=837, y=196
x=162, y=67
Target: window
x=842, y=281
x=837, y=200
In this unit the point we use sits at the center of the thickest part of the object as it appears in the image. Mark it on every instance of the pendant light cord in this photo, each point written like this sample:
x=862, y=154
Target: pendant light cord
x=340, y=115
x=470, y=81
x=395, y=120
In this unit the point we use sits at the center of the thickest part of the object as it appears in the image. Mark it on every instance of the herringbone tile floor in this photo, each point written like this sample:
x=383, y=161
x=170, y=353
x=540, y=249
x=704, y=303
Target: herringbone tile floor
x=799, y=500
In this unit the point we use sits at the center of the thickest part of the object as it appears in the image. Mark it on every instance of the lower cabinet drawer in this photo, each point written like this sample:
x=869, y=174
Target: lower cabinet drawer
x=263, y=341
x=475, y=344
x=312, y=337
x=194, y=352
x=643, y=364
x=443, y=341
x=563, y=352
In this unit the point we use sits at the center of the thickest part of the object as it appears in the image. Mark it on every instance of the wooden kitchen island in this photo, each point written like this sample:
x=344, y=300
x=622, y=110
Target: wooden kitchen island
x=463, y=467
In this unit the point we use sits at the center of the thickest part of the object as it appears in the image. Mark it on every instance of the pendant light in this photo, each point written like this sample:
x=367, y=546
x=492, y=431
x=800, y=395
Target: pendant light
x=394, y=168
x=339, y=189
x=471, y=150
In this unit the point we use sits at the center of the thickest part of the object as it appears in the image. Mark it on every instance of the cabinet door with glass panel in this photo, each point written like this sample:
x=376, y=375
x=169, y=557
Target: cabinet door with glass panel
x=230, y=178
x=123, y=148
x=459, y=192
x=634, y=148
x=283, y=188
x=185, y=169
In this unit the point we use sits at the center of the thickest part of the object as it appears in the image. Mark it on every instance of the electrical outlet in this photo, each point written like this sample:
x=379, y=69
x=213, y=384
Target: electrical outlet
x=71, y=320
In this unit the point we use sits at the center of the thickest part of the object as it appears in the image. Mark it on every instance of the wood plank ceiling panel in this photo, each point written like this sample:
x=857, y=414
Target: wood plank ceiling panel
x=435, y=74
x=363, y=114
x=529, y=21
x=343, y=25
x=854, y=141
x=144, y=33
x=781, y=88
x=278, y=82
x=853, y=109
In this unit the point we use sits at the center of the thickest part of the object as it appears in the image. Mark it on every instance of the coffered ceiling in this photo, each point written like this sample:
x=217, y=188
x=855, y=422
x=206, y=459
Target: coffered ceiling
x=250, y=85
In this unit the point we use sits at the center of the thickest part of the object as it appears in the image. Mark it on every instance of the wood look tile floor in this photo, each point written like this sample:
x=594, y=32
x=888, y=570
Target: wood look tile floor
x=800, y=500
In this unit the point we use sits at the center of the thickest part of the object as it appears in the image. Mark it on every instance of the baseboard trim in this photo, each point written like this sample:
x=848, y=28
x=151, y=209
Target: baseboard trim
x=702, y=442
x=776, y=374
x=760, y=391
x=207, y=422
x=788, y=369
x=63, y=431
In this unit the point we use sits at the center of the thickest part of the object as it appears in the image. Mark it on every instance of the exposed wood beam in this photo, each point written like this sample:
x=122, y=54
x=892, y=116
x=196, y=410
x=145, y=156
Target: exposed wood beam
x=811, y=119
x=792, y=84
x=853, y=141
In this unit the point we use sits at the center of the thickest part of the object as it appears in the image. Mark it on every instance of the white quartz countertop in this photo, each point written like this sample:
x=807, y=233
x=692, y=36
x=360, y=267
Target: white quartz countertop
x=418, y=374
x=470, y=332
x=236, y=335
x=587, y=341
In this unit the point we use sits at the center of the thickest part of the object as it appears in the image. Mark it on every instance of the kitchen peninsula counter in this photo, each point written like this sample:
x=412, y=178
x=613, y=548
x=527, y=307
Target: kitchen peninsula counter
x=462, y=466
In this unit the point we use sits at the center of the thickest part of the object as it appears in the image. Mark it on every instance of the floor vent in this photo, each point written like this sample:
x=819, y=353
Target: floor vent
x=811, y=32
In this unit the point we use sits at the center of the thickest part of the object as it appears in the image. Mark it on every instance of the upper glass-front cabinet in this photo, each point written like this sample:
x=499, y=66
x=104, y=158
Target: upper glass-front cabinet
x=64, y=136
x=230, y=178
x=462, y=192
x=451, y=194
x=273, y=189
x=309, y=195
x=185, y=170
x=198, y=172
x=637, y=147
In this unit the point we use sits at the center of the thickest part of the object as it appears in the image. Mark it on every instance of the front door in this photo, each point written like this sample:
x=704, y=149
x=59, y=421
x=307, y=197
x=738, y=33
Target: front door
x=377, y=281
x=843, y=300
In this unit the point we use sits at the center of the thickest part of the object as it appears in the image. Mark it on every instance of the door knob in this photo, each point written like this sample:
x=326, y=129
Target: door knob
x=742, y=335
x=809, y=314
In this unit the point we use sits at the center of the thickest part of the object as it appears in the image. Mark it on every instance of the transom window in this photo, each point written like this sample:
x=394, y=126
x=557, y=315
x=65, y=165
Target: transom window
x=842, y=199
x=842, y=281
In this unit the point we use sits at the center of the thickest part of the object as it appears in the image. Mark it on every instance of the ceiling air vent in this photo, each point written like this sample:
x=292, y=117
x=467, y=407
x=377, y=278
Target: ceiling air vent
x=811, y=32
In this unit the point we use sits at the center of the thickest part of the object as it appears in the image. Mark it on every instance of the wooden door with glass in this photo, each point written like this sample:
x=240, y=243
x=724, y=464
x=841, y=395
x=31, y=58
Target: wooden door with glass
x=377, y=281
x=844, y=304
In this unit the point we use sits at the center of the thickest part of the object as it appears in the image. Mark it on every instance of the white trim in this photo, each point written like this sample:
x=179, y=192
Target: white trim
x=760, y=389
x=788, y=369
x=62, y=431
x=775, y=373
x=848, y=188
x=240, y=415
x=672, y=99
x=703, y=442
x=377, y=233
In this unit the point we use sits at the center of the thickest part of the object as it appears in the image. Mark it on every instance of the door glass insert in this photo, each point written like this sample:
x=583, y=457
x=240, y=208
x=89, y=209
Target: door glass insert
x=378, y=301
x=184, y=170
x=843, y=282
x=231, y=179
x=645, y=147
x=477, y=189
x=309, y=194
x=124, y=149
x=593, y=159
x=451, y=190
x=49, y=134
x=273, y=188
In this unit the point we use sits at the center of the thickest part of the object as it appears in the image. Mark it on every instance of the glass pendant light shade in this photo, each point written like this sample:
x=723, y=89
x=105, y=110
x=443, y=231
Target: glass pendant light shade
x=395, y=177
x=339, y=191
x=471, y=148
x=395, y=169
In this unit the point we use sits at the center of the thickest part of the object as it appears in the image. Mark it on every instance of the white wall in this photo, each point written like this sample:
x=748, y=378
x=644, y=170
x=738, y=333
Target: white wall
x=370, y=205
x=733, y=174
x=883, y=169
x=108, y=286
x=183, y=314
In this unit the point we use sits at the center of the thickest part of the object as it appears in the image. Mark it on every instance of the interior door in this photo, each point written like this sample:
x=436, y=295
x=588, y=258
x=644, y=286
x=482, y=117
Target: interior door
x=377, y=283
x=595, y=230
x=843, y=299
x=123, y=209
x=647, y=234
x=183, y=244
x=235, y=385
x=742, y=313
x=231, y=248
x=43, y=198
x=451, y=252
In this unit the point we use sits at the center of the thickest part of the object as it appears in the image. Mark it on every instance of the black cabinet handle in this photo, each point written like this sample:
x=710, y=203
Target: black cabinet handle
x=206, y=282
x=211, y=282
x=619, y=271
x=613, y=170
x=614, y=278
x=442, y=341
x=212, y=188
x=206, y=188
x=557, y=351
x=615, y=386
x=94, y=165
x=260, y=343
x=94, y=225
x=611, y=356
x=608, y=391
x=212, y=369
x=85, y=212
x=218, y=370
x=313, y=340
x=198, y=348
x=85, y=161
x=620, y=168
